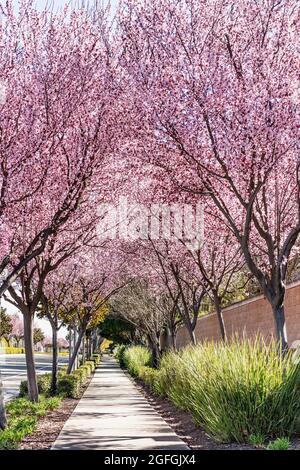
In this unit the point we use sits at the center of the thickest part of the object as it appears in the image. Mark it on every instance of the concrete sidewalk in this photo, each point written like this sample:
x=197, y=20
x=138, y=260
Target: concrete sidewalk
x=114, y=415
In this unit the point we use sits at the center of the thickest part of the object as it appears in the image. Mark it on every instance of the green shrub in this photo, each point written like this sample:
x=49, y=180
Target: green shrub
x=62, y=369
x=136, y=357
x=119, y=354
x=90, y=366
x=81, y=373
x=22, y=406
x=16, y=431
x=69, y=385
x=22, y=419
x=96, y=358
x=43, y=382
x=23, y=389
x=279, y=444
x=257, y=440
x=234, y=390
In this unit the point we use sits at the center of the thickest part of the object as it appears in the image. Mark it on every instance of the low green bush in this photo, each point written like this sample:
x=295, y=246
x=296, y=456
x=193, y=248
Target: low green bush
x=119, y=353
x=96, y=358
x=62, y=369
x=136, y=357
x=90, y=366
x=282, y=443
x=257, y=440
x=81, y=374
x=22, y=417
x=69, y=385
x=43, y=382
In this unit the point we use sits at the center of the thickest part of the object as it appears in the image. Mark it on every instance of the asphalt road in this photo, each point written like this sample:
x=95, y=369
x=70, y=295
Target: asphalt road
x=13, y=370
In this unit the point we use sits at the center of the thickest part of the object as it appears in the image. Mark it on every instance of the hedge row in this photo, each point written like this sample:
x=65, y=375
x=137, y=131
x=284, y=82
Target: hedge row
x=13, y=350
x=67, y=385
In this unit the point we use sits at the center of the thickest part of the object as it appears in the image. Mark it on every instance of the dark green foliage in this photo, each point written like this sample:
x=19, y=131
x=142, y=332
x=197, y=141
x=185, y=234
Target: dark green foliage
x=5, y=324
x=69, y=385
x=44, y=384
x=117, y=330
x=119, y=354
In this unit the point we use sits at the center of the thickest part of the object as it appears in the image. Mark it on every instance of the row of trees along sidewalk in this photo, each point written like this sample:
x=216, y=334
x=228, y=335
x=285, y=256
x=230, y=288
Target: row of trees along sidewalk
x=179, y=103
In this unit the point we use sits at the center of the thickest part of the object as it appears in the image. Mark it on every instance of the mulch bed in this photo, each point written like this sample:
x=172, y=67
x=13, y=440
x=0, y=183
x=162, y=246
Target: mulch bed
x=49, y=427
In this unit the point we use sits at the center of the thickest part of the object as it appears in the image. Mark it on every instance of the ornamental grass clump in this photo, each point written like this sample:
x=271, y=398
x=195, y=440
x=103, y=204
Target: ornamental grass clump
x=235, y=389
x=173, y=379
x=136, y=357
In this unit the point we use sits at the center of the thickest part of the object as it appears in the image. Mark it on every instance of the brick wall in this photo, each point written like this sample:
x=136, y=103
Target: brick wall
x=250, y=316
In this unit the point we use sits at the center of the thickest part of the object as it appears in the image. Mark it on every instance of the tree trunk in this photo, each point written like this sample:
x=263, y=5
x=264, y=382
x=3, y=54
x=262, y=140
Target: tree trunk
x=29, y=354
x=154, y=346
x=75, y=351
x=220, y=317
x=280, y=327
x=191, y=333
x=83, y=349
x=173, y=340
x=155, y=355
x=90, y=347
x=54, y=361
x=75, y=362
x=95, y=341
x=2, y=408
x=70, y=344
x=188, y=324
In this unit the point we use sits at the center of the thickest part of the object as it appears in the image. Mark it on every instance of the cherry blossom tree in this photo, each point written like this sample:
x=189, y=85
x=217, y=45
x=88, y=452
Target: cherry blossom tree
x=220, y=263
x=183, y=285
x=212, y=91
x=97, y=275
x=52, y=307
x=57, y=125
x=69, y=66
x=27, y=293
x=137, y=305
x=62, y=343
